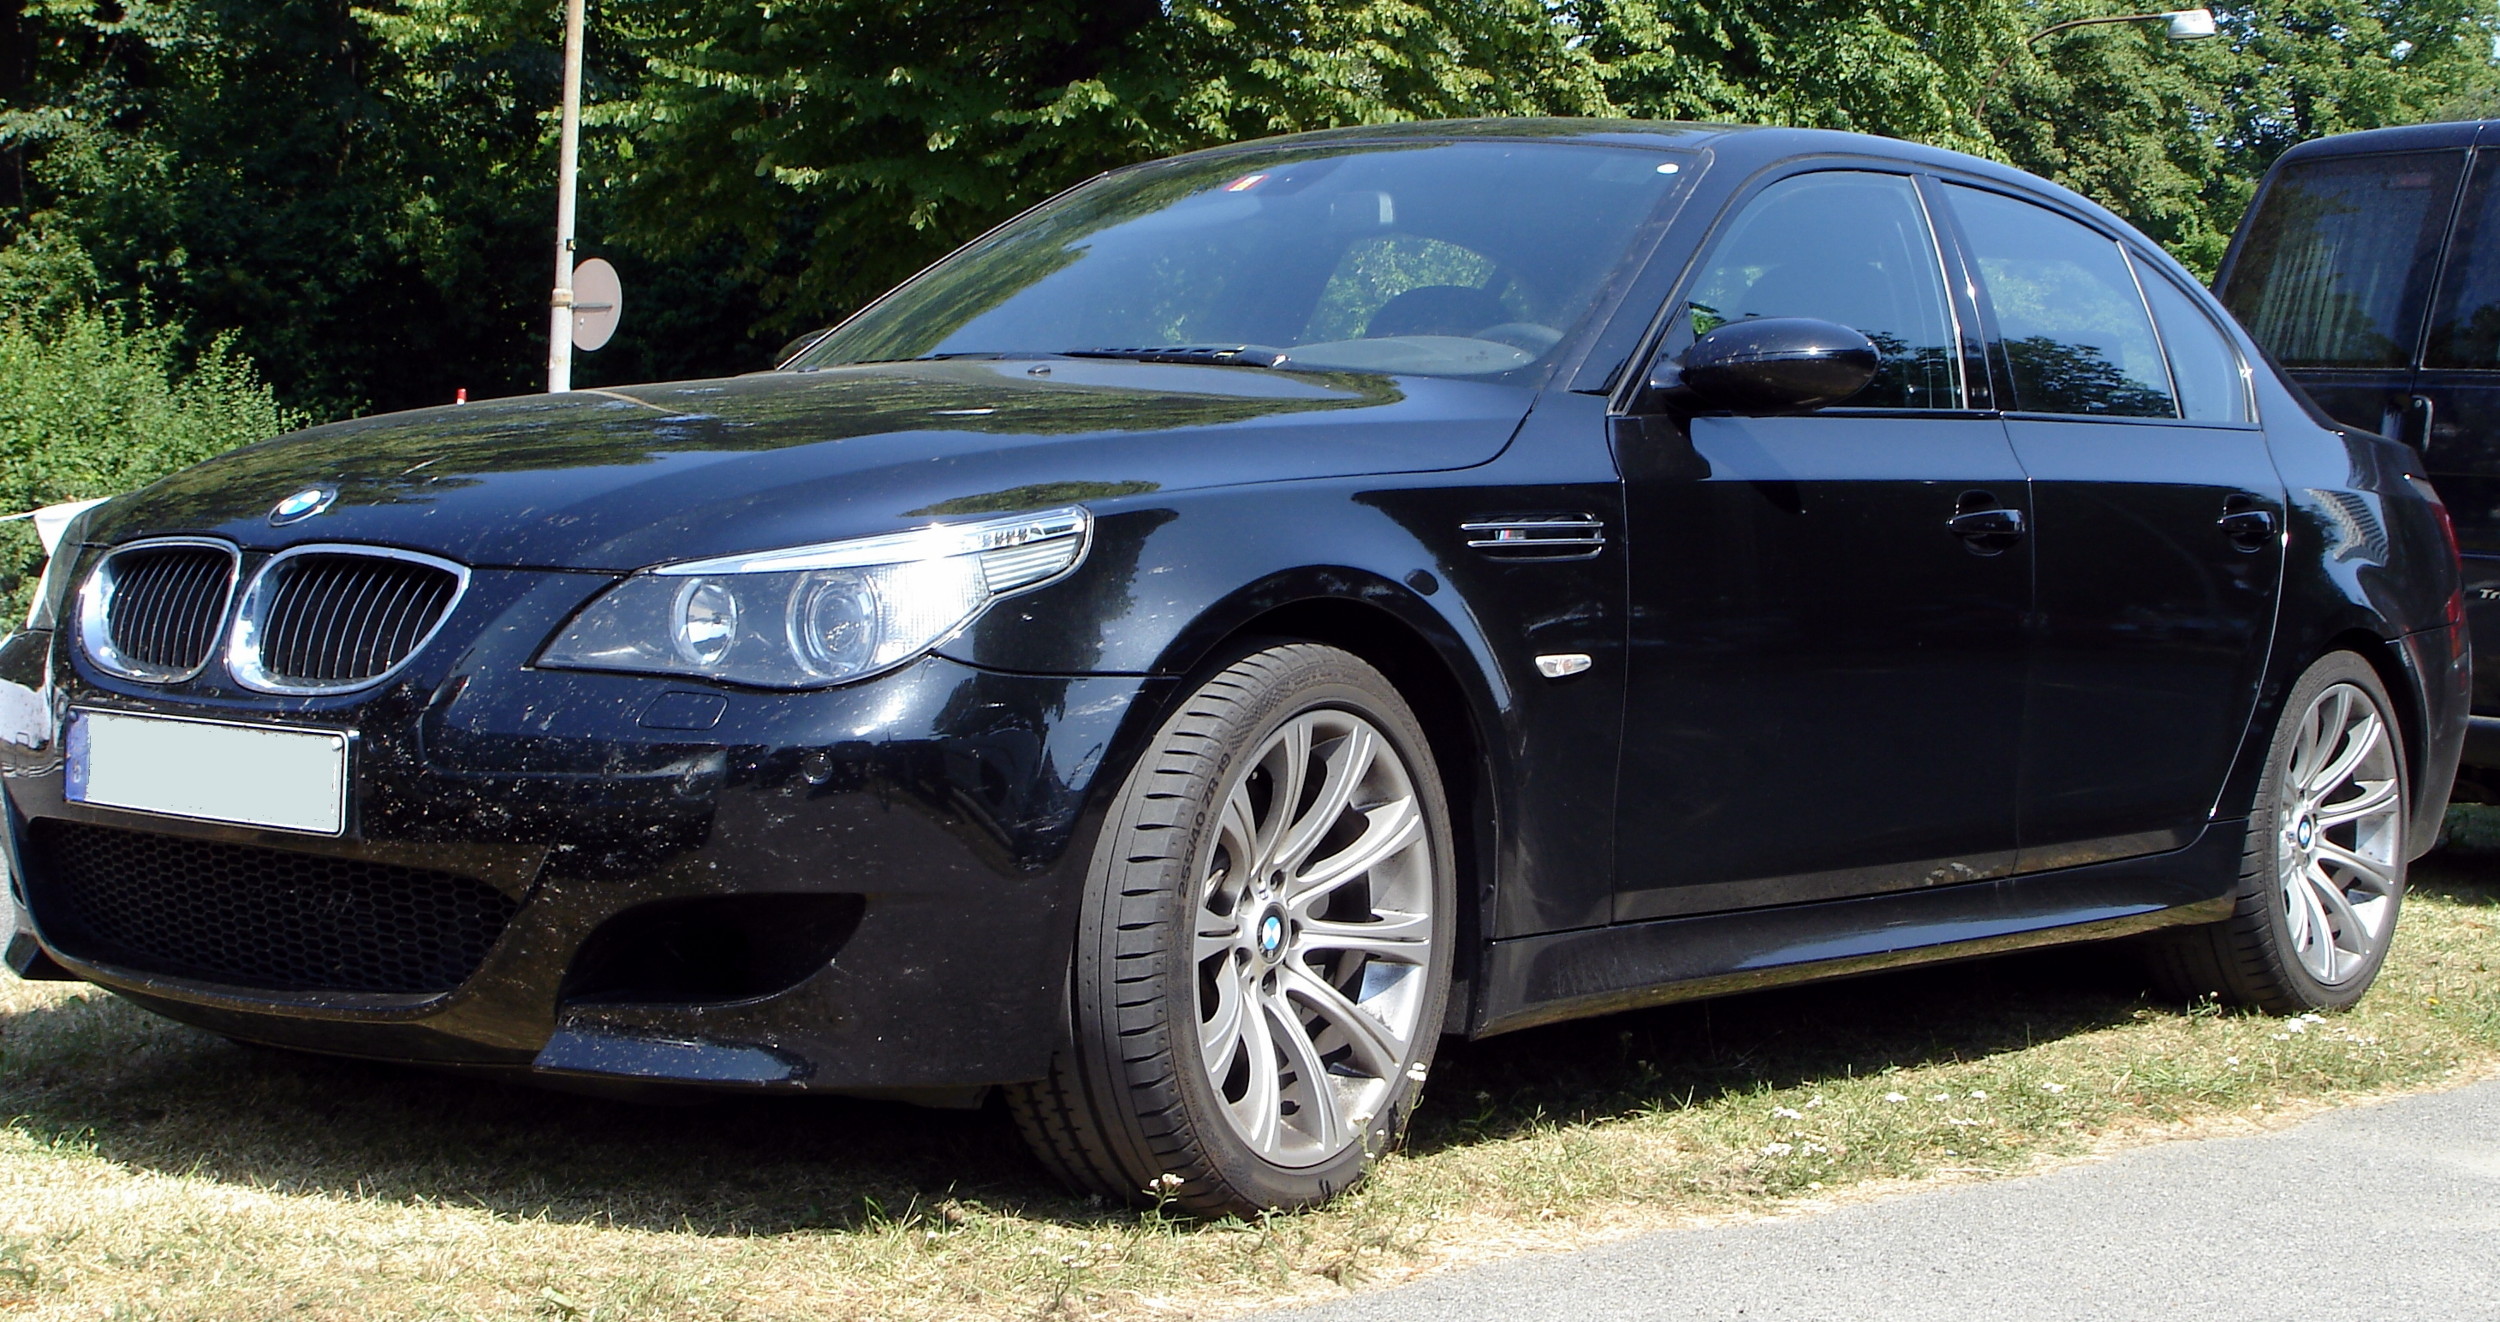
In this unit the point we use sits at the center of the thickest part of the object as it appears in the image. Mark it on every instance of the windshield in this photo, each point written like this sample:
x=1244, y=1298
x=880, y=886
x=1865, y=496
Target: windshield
x=1447, y=259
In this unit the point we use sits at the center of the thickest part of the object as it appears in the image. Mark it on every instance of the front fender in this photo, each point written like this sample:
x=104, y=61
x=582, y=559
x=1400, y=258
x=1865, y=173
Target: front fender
x=1382, y=565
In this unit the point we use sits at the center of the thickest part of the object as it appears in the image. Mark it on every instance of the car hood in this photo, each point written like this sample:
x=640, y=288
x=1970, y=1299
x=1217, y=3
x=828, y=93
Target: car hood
x=624, y=478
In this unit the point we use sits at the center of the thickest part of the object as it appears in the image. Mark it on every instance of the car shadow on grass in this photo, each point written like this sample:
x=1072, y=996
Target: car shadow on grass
x=97, y=1074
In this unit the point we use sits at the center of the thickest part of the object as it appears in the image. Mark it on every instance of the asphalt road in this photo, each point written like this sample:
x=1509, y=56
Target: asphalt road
x=2389, y=1211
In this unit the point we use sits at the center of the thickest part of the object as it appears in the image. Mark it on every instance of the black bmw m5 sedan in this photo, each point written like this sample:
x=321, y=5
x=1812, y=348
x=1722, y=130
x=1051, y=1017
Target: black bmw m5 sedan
x=1255, y=615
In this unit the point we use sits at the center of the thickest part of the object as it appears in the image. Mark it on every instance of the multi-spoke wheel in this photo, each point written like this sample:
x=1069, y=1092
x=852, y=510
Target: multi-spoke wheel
x=2324, y=871
x=1263, y=957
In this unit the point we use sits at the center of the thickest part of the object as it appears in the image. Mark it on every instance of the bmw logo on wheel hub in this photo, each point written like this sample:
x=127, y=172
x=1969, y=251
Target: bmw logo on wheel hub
x=1271, y=935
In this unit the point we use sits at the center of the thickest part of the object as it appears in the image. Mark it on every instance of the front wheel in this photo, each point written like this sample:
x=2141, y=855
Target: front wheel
x=1263, y=956
x=2323, y=872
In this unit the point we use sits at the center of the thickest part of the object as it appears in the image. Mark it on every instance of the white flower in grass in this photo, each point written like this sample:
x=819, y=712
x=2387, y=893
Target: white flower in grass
x=2230, y=1060
x=2313, y=1017
x=1978, y=1095
x=1814, y=1101
x=2300, y=1025
x=1896, y=1097
x=2052, y=1087
x=1776, y=1149
x=1940, y=1097
x=1788, y=1113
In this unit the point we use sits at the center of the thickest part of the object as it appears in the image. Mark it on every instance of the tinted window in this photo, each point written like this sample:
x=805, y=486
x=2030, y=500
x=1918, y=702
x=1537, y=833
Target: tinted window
x=2465, y=321
x=2073, y=325
x=2203, y=366
x=2333, y=268
x=1446, y=259
x=1847, y=247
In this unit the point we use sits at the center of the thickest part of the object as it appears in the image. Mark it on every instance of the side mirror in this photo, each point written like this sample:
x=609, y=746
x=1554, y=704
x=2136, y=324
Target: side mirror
x=1770, y=365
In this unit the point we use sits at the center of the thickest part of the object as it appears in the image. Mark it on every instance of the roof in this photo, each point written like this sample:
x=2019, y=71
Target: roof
x=1743, y=147
x=2410, y=137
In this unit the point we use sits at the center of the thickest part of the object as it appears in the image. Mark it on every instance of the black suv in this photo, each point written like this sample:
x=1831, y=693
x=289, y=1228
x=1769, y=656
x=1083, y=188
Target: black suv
x=2369, y=267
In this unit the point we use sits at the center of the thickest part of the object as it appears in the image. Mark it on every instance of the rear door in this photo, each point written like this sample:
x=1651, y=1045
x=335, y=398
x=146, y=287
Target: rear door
x=2459, y=388
x=2157, y=549
x=2333, y=273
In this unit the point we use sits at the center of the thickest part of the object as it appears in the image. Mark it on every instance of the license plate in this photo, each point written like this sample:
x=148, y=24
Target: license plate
x=214, y=771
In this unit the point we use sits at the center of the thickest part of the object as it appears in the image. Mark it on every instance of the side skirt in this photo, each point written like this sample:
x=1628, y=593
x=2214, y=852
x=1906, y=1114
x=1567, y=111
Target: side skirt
x=1567, y=975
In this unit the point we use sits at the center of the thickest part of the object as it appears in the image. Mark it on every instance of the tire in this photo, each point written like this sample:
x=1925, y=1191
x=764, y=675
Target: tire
x=1197, y=984
x=2323, y=873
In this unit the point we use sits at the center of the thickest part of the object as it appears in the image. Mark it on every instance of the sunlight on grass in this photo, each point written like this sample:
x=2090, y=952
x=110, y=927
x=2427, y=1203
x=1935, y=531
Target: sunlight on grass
x=149, y=1170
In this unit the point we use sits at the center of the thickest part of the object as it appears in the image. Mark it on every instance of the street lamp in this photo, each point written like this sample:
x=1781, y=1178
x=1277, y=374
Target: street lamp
x=2185, y=24
x=568, y=153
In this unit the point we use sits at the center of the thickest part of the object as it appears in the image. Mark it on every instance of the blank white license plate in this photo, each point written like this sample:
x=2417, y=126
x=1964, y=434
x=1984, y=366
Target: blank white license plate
x=254, y=775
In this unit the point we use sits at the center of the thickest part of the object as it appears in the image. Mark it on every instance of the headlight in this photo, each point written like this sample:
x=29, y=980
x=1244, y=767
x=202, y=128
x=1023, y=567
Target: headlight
x=815, y=615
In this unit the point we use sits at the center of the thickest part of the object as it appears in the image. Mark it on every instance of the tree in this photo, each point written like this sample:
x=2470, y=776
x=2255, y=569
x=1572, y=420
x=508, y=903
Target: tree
x=361, y=190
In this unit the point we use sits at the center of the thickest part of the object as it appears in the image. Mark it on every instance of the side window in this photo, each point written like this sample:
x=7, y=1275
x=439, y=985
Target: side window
x=1844, y=246
x=2465, y=319
x=2333, y=268
x=2203, y=365
x=2068, y=313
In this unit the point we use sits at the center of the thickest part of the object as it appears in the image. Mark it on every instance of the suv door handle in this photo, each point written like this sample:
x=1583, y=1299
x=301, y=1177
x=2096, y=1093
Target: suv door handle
x=2248, y=525
x=2420, y=412
x=1985, y=527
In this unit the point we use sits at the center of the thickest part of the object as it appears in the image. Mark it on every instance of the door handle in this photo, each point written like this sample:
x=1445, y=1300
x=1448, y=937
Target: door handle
x=1985, y=527
x=2419, y=411
x=2249, y=525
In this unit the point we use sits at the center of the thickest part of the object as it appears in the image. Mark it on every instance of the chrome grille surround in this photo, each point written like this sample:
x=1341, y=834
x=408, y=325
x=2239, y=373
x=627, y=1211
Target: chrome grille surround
x=156, y=625
x=382, y=623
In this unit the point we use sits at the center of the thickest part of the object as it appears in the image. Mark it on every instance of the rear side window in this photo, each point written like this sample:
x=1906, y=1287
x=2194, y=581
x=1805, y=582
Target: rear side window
x=2073, y=324
x=1849, y=247
x=2465, y=318
x=2204, y=367
x=2335, y=267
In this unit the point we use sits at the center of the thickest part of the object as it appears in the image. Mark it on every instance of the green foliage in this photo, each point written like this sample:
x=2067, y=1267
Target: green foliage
x=91, y=407
x=360, y=190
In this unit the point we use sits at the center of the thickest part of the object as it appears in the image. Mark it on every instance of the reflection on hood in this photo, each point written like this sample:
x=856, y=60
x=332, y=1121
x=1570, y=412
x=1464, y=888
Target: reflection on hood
x=618, y=479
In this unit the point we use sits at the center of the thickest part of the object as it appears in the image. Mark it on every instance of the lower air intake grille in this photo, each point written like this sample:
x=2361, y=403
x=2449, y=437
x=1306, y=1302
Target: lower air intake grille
x=334, y=619
x=267, y=918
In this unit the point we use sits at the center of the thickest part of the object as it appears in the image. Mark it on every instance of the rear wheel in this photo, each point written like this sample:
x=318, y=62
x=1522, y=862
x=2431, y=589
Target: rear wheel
x=1263, y=956
x=2323, y=873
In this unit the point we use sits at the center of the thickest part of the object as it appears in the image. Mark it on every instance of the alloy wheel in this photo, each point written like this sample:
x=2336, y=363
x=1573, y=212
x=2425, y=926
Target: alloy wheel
x=2340, y=858
x=1313, y=938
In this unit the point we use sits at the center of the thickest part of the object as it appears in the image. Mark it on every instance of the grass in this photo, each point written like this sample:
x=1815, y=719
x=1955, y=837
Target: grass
x=151, y=1171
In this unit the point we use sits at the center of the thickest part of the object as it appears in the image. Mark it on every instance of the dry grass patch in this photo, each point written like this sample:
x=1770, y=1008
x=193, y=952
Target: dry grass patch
x=151, y=1171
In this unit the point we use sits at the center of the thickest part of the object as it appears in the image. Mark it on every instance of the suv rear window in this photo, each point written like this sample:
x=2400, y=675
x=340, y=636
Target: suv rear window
x=2336, y=265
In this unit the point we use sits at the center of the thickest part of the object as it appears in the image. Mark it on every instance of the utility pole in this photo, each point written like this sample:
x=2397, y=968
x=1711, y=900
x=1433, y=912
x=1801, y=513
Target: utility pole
x=568, y=154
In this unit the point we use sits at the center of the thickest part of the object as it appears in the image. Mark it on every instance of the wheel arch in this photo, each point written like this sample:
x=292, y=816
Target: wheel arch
x=1451, y=711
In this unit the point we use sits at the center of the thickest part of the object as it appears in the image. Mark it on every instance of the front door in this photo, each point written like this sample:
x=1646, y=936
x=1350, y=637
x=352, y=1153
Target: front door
x=2332, y=274
x=1826, y=678
x=2158, y=533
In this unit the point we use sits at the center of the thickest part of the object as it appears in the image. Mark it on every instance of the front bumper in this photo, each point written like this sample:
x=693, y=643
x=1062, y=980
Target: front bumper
x=926, y=833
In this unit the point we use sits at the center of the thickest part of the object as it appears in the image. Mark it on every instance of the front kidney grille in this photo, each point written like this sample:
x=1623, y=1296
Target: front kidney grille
x=164, y=607
x=264, y=918
x=329, y=619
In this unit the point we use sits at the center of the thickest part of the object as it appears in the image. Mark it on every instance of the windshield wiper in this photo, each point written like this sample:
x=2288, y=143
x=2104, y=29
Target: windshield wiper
x=1208, y=355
